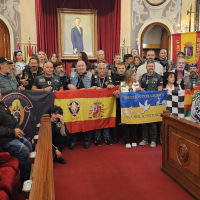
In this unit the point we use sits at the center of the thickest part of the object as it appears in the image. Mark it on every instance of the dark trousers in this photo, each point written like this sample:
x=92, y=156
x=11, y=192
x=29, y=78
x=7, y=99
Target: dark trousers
x=115, y=130
x=130, y=133
x=60, y=141
x=152, y=129
x=87, y=137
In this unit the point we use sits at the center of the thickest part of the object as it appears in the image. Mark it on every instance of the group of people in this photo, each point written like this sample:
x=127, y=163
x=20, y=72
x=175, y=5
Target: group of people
x=133, y=74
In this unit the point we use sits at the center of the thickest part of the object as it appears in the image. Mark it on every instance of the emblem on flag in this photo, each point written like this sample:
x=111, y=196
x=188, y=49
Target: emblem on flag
x=188, y=50
x=74, y=107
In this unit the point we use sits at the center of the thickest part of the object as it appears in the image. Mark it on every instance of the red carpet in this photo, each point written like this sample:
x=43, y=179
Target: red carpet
x=114, y=173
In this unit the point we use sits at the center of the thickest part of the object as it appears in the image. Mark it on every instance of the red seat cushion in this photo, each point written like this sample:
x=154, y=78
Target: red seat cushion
x=8, y=179
x=3, y=195
x=12, y=162
x=4, y=156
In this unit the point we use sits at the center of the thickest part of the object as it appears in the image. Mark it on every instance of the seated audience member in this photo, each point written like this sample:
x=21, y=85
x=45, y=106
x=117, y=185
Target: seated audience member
x=60, y=72
x=7, y=79
x=117, y=60
x=128, y=59
x=129, y=85
x=180, y=72
x=119, y=76
x=102, y=81
x=142, y=69
x=47, y=81
x=13, y=69
x=164, y=61
x=150, y=81
x=12, y=140
x=170, y=82
x=42, y=58
x=179, y=55
x=30, y=73
x=81, y=79
x=193, y=79
x=54, y=57
x=60, y=138
x=100, y=59
x=82, y=56
x=137, y=61
x=117, y=79
x=19, y=62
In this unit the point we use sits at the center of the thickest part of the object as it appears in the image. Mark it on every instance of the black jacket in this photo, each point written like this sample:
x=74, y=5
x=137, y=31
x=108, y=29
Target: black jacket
x=7, y=125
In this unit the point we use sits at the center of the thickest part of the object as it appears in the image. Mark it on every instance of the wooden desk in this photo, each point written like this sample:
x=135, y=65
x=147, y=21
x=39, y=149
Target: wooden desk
x=43, y=181
x=181, y=152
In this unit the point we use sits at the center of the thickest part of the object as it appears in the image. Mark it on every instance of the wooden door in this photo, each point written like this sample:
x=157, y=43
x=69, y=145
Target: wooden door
x=4, y=41
x=165, y=41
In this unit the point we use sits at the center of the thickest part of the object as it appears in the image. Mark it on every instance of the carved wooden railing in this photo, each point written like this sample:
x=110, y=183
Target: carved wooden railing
x=181, y=152
x=42, y=174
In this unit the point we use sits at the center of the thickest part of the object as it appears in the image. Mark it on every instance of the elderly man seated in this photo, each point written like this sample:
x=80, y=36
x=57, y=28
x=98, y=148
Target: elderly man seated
x=81, y=79
x=102, y=81
x=12, y=140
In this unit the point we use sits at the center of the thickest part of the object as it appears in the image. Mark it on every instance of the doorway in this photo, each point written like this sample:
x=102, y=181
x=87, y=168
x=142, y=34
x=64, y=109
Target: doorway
x=155, y=36
x=4, y=41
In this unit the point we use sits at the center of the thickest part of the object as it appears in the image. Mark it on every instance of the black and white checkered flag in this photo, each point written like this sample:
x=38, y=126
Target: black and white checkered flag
x=175, y=102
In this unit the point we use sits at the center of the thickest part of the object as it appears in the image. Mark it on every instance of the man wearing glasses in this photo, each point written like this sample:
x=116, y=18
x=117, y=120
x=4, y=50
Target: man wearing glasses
x=47, y=81
x=193, y=79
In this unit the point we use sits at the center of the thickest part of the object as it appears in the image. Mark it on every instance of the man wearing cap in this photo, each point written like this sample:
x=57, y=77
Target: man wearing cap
x=193, y=79
x=7, y=79
x=47, y=81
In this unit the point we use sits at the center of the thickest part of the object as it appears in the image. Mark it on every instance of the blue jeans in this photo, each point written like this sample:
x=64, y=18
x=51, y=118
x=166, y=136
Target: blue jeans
x=20, y=148
x=87, y=137
x=97, y=133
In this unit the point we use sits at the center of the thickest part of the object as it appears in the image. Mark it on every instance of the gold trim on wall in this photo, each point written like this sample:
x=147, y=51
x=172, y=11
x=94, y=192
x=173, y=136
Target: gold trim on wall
x=60, y=12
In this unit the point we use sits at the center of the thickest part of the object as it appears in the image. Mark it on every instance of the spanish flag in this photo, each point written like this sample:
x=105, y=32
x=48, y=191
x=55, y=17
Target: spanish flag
x=87, y=109
x=142, y=107
x=189, y=43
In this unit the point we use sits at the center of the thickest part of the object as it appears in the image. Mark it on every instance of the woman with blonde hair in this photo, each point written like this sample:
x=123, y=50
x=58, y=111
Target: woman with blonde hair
x=137, y=61
x=42, y=58
x=129, y=85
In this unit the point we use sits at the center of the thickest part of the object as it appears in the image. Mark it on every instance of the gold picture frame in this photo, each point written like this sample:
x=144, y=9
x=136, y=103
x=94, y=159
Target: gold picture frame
x=77, y=31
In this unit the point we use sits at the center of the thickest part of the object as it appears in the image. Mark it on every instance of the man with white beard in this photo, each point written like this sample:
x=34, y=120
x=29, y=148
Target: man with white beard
x=180, y=71
x=60, y=72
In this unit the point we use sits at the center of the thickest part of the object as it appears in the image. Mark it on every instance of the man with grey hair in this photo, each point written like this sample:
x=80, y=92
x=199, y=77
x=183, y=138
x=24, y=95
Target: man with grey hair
x=47, y=81
x=142, y=69
x=180, y=71
x=102, y=81
x=7, y=79
x=100, y=59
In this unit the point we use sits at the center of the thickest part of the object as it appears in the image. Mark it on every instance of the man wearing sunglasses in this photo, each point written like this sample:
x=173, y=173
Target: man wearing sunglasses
x=193, y=79
x=47, y=81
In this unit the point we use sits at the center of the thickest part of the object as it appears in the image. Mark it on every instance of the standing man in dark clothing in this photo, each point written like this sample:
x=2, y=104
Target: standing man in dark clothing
x=59, y=71
x=81, y=79
x=117, y=79
x=60, y=134
x=117, y=60
x=193, y=79
x=47, y=81
x=164, y=61
x=128, y=59
x=30, y=73
x=13, y=141
x=179, y=55
x=150, y=81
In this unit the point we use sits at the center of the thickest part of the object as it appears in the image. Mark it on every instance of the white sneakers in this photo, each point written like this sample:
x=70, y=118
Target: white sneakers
x=143, y=143
x=153, y=144
x=128, y=146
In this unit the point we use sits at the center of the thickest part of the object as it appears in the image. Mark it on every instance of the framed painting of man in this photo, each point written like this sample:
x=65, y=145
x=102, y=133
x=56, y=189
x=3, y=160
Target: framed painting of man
x=77, y=32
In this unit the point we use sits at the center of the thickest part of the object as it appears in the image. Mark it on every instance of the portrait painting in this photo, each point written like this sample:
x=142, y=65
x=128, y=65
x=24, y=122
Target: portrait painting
x=77, y=32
